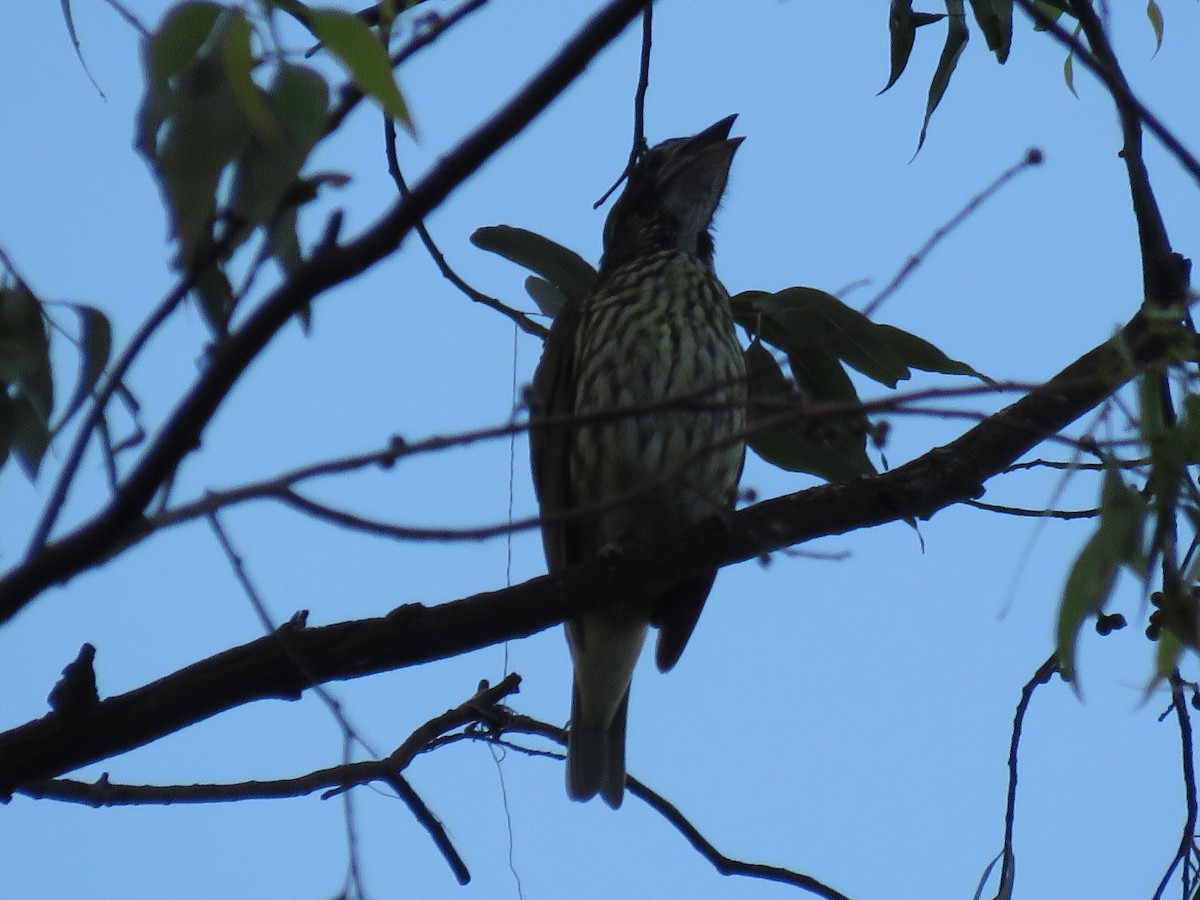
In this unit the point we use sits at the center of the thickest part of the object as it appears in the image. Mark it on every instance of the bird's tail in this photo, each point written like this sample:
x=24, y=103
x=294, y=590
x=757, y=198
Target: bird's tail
x=596, y=754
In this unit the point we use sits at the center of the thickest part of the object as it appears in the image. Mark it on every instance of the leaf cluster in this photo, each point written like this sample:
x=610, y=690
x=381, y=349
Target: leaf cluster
x=805, y=414
x=994, y=19
x=227, y=124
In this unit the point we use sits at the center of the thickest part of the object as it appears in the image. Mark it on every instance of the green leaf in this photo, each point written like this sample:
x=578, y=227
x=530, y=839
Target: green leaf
x=549, y=299
x=1154, y=14
x=796, y=443
x=25, y=374
x=215, y=295
x=803, y=321
x=995, y=18
x=24, y=342
x=95, y=345
x=563, y=268
x=238, y=60
x=8, y=427
x=1069, y=73
x=956, y=39
x=1052, y=9
x=191, y=124
x=268, y=169
x=1069, y=65
x=349, y=39
x=918, y=353
x=174, y=46
x=1117, y=541
x=1167, y=654
x=31, y=434
x=902, y=27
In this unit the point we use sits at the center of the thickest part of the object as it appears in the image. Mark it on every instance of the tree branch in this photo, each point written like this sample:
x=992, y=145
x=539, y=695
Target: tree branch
x=415, y=634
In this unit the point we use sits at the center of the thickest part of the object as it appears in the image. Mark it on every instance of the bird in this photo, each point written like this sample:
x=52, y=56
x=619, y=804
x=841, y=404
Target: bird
x=637, y=418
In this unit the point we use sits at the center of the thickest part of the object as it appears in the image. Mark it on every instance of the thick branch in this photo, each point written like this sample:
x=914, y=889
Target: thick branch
x=414, y=634
x=330, y=265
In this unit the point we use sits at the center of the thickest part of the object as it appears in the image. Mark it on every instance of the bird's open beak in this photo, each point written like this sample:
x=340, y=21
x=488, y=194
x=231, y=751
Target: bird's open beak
x=715, y=135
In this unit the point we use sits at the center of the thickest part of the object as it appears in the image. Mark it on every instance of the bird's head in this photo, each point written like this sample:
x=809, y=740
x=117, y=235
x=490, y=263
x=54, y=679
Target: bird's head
x=671, y=195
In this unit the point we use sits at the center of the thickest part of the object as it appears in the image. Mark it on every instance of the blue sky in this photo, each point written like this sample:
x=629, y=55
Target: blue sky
x=847, y=717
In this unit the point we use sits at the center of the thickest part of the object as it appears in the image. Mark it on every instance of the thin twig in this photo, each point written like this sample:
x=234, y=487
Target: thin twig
x=1042, y=676
x=1033, y=157
x=639, y=144
x=1035, y=513
x=726, y=865
x=1187, y=839
x=518, y=318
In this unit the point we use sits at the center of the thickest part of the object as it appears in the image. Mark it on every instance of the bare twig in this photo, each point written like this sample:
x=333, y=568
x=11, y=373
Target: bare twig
x=1032, y=158
x=1042, y=676
x=518, y=318
x=638, y=145
x=1035, y=513
x=726, y=865
x=1188, y=837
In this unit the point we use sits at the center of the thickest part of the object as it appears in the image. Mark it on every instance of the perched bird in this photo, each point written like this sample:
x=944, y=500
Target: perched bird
x=649, y=364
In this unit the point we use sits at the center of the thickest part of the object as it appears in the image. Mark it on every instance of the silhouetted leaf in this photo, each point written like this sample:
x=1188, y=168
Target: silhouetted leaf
x=995, y=18
x=803, y=321
x=902, y=27
x=31, y=434
x=956, y=39
x=918, y=353
x=563, y=268
x=95, y=345
x=784, y=437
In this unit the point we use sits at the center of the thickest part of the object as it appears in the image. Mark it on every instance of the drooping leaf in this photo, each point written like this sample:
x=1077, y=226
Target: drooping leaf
x=173, y=46
x=69, y=20
x=918, y=353
x=784, y=437
x=956, y=39
x=215, y=296
x=95, y=345
x=363, y=55
x=563, y=268
x=1052, y=9
x=238, y=60
x=24, y=342
x=995, y=18
x=8, y=427
x=902, y=28
x=192, y=124
x=25, y=375
x=31, y=434
x=1166, y=655
x=1154, y=14
x=1116, y=542
x=268, y=169
x=803, y=321
x=549, y=299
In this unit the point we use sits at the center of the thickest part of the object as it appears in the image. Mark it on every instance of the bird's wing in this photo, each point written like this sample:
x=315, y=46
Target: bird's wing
x=550, y=445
